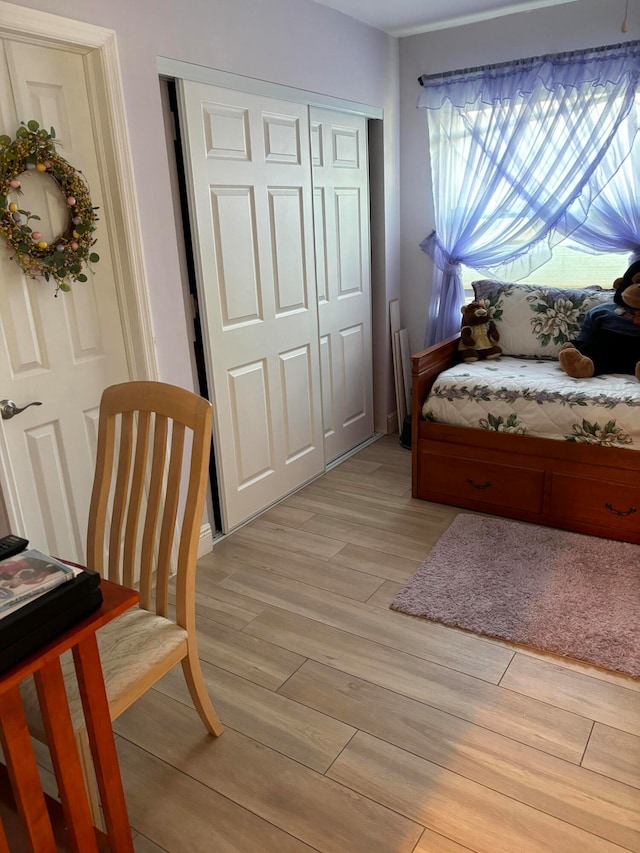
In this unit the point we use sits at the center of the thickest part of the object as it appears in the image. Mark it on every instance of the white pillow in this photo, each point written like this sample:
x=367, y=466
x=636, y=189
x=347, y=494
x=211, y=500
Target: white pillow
x=534, y=321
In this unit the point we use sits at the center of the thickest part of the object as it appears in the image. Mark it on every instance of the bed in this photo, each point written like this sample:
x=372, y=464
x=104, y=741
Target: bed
x=516, y=436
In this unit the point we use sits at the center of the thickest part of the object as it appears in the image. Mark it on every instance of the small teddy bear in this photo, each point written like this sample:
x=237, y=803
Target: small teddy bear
x=479, y=336
x=609, y=340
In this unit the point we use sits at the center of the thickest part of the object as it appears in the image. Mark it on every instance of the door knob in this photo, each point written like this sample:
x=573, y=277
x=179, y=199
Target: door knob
x=8, y=408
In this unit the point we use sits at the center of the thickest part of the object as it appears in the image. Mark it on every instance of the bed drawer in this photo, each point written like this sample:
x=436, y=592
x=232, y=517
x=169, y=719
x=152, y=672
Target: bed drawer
x=600, y=502
x=489, y=483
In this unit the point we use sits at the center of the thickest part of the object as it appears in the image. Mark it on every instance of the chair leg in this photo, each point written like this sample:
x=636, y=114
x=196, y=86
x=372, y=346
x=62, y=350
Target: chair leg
x=199, y=696
x=89, y=774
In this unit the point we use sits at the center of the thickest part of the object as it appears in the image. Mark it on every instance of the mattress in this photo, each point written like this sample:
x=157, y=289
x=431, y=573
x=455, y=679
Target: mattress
x=535, y=397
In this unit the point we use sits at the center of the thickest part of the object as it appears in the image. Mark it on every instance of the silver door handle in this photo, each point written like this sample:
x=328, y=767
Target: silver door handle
x=8, y=408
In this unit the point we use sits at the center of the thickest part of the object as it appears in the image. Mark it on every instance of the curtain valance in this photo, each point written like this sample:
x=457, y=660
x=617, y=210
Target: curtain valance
x=606, y=66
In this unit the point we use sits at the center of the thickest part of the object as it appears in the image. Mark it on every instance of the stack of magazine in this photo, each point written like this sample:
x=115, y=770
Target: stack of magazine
x=41, y=598
x=29, y=575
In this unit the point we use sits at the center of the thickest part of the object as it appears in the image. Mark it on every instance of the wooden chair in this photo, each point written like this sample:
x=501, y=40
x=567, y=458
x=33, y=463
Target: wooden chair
x=148, y=493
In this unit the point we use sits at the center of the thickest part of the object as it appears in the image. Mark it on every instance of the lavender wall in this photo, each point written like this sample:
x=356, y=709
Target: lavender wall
x=292, y=42
x=582, y=24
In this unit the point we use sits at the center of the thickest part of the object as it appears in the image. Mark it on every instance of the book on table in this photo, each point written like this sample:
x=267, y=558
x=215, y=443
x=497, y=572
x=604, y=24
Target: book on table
x=27, y=576
x=58, y=597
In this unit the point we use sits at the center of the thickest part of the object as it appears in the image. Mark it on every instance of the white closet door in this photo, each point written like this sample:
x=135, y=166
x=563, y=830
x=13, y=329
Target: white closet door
x=249, y=177
x=341, y=220
x=60, y=351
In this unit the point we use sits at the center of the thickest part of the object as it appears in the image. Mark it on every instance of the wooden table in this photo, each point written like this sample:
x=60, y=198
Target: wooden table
x=30, y=801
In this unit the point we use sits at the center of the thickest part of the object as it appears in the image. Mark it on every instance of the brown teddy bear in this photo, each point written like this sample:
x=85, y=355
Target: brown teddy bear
x=609, y=341
x=479, y=336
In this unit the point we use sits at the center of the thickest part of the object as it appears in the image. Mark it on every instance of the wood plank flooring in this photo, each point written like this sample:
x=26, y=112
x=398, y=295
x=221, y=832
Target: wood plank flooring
x=350, y=728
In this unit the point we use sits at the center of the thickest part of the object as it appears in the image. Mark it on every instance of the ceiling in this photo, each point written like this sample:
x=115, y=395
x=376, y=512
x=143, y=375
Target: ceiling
x=408, y=17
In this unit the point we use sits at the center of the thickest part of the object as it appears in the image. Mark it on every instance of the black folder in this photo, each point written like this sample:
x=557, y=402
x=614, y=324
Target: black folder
x=38, y=621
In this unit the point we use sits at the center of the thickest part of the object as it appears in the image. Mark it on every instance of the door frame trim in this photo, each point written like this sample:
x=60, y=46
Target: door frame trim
x=98, y=46
x=227, y=80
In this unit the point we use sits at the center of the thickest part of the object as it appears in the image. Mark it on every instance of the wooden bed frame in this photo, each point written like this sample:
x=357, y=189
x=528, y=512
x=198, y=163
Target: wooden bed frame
x=586, y=488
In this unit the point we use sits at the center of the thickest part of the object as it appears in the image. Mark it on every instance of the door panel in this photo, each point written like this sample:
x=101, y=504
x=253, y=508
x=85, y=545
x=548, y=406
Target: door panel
x=349, y=223
x=61, y=351
x=341, y=210
x=251, y=420
x=299, y=408
x=287, y=228
x=353, y=356
x=249, y=176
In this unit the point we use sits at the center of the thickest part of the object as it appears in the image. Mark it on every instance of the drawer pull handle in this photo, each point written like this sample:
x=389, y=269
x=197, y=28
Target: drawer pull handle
x=483, y=486
x=630, y=511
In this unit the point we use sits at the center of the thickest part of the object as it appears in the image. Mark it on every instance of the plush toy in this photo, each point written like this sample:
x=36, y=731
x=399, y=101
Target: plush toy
x=479, y=336
x=609, y=341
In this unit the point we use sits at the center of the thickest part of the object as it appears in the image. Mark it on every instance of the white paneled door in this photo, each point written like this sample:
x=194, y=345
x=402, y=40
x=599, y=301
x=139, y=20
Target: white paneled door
x=59, y=351
x=248, y=160
x=341, y=221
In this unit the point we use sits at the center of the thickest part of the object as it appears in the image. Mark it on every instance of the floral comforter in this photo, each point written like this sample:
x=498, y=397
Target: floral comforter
x=535, y=397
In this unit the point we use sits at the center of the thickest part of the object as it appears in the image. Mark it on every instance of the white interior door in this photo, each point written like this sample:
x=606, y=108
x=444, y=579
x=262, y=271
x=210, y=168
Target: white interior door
x=60, y=351
x=341, y=221
x=250, y=184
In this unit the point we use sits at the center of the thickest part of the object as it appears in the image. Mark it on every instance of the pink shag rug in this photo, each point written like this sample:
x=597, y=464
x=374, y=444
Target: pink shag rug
x=574, y=595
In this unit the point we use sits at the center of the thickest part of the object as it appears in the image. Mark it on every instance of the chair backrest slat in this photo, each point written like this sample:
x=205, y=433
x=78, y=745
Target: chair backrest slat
x=119, y=501
x=136, y=498
x=186, y=580
x=154, y=504
x=169, y=517
x=100, y=494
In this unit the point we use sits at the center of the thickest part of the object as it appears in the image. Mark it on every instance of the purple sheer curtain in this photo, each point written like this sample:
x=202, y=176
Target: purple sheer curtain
x=610, y=221
x=512, y=147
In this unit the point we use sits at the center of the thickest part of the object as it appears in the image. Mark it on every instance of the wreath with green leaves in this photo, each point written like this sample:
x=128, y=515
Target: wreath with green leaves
x=66, y=257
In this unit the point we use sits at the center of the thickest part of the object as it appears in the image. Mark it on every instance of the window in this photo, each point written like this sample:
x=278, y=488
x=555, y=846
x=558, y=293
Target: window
x=522, y=154
x=567, y=268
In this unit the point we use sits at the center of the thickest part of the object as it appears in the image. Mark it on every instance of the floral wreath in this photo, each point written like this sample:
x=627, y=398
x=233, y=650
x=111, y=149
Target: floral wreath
x=65, y=258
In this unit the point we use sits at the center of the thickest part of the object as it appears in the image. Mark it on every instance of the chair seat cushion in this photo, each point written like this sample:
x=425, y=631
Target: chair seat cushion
x=132, y=645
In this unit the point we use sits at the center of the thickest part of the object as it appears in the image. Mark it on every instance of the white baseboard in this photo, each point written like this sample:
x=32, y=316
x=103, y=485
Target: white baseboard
x=205, y=544
x=392, y=423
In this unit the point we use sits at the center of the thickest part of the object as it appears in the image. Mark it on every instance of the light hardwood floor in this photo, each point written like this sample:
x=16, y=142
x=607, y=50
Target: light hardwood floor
x=351, y=728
